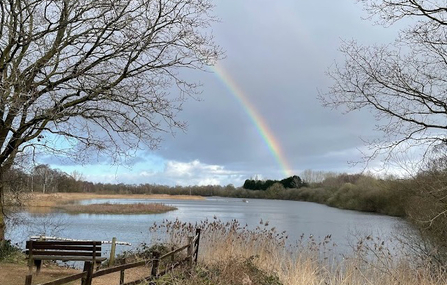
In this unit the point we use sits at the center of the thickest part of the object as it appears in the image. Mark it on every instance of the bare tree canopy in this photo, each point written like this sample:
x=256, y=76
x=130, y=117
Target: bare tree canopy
x=404, y=83
x=96, y=74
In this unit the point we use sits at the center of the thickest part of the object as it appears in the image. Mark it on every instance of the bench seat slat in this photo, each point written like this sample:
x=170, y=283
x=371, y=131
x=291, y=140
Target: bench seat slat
x=44, y=243
x=66, y=253
x=64, y=247
x=67, y=258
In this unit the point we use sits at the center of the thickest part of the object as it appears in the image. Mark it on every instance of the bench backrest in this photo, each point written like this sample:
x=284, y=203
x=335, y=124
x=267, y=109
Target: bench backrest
x=90, y=249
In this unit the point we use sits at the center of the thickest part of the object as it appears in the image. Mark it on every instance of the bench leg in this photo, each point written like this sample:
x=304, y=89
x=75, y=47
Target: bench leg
x=38, y=264
x=88, y=267
x=30, y=266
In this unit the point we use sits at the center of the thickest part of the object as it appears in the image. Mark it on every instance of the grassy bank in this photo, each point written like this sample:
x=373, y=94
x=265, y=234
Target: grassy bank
x=118, y=209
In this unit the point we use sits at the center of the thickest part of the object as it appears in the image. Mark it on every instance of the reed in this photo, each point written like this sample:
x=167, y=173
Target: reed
x=118, y=209
x=234, y=254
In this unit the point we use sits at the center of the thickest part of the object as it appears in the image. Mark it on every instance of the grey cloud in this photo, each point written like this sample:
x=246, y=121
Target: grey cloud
x=280, y=66
x=277, y=52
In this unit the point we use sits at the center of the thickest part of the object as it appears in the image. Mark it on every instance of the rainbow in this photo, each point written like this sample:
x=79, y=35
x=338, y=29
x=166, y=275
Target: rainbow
x=260, y=124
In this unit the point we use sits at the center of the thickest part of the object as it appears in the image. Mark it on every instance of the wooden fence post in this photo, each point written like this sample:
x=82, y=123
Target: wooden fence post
x=190, y=251
x=155, y=264
x=122, y=277
x=29, y=279
x=88, y=267
x=112, y=252
x=196, y=251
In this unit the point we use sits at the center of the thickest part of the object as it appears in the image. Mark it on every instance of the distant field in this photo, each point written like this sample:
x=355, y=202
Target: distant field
x=119, y=209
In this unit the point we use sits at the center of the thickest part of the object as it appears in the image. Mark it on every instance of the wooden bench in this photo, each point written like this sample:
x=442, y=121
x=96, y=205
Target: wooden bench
x=87, y=251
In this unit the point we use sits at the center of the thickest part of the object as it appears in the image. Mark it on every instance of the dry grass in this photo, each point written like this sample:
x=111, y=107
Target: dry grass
x=39, y=199
x=45, y=203
x=232, y=254
x=118, y=209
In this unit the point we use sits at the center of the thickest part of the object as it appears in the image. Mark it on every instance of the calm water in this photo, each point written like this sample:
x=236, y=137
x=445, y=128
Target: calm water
x=296, y=218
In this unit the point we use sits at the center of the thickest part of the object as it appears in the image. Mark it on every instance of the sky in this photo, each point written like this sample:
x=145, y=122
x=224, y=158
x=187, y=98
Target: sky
x=258, y=113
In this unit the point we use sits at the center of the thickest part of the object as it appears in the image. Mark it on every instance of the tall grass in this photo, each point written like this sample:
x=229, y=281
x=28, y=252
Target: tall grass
x=234, y=254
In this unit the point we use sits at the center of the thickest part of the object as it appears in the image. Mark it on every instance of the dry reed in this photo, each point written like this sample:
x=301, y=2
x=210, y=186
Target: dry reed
x=118, y=209
x=234, y=254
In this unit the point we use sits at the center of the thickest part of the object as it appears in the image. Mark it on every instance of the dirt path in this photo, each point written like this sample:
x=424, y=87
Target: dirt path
x=14, y=274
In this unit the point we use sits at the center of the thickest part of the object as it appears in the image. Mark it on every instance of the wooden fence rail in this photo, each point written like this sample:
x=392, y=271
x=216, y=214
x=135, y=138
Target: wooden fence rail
x=87, y=275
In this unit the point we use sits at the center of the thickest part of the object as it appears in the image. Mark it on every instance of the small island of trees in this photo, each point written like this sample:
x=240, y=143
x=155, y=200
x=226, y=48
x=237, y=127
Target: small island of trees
x=290, y=182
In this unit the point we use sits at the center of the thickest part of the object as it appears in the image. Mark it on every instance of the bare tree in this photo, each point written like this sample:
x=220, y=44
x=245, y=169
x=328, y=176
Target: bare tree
x=80, y=75
x=77, y=176
x=44, y=176
x=403, y=83
x=316, y=176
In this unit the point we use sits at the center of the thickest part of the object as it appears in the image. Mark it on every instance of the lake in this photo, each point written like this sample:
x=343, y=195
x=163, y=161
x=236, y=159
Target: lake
x=297, y=218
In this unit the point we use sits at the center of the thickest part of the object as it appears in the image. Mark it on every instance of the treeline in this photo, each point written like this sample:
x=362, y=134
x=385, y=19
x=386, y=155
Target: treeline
x=421, y=199
x=290, y=182
x=348, y=191
x=43, y=179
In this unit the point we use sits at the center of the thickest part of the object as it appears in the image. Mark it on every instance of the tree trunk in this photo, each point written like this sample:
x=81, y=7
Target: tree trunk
x=2, y=215
x=2, y=227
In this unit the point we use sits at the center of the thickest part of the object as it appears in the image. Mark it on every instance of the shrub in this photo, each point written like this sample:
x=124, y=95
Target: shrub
x=9, y=252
